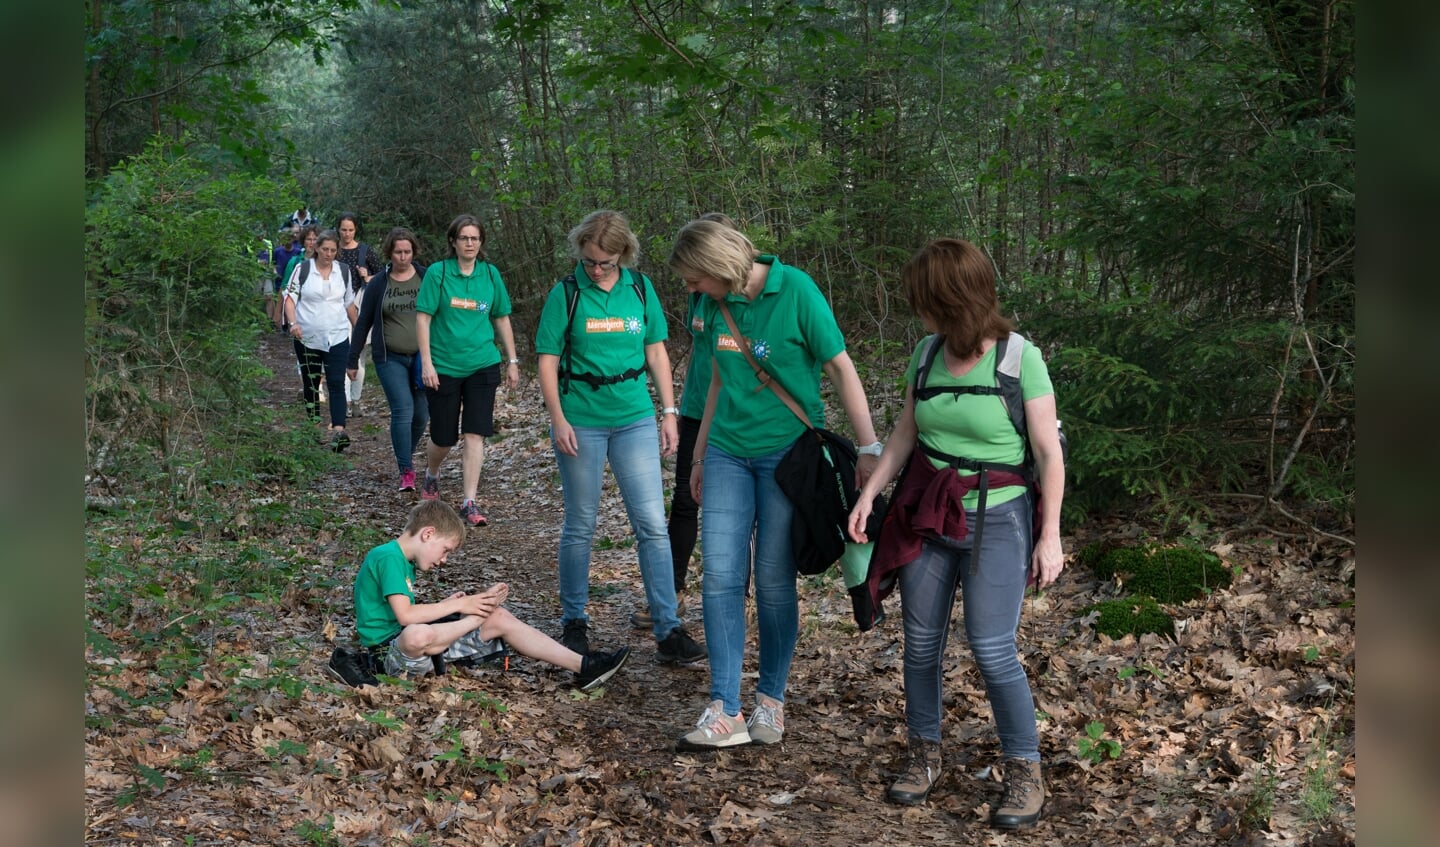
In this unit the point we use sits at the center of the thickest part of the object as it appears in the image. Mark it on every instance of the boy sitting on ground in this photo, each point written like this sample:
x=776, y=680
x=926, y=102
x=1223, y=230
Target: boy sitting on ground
x=404, y=637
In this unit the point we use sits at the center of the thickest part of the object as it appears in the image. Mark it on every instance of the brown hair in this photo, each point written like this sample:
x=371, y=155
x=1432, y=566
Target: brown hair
x=399, y=233
x=608, y=230
x=439, y=514
x=952, y=283
x=460, y=223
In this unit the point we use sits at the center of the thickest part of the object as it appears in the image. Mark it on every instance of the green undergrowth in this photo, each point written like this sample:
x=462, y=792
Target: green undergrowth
x=1150, y=575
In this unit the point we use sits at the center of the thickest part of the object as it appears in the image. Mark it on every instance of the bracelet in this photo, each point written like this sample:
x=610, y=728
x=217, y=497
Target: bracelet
x=697, y=462
x=669, y=410
x=512, y=361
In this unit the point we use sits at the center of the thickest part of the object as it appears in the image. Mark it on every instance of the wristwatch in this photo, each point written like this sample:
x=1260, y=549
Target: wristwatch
x=669, y=410
x=512, y=361
x=871, y=449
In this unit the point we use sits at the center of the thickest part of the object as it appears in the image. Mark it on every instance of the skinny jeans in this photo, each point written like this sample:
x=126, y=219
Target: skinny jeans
x=991, y=602
x=409, y=410
x=330, y=363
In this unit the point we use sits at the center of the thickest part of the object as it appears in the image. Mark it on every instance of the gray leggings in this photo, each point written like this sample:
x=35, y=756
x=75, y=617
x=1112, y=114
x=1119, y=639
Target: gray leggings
x=992, y=598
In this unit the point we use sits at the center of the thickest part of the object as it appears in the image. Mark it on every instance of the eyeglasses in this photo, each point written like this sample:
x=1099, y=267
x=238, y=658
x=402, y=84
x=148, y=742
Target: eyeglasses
x=598, y=265
x=467, y=238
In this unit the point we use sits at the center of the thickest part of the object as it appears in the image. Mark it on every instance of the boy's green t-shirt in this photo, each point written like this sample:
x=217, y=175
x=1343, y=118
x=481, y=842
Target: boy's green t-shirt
x=385, y=571
x=607, y=338
x=972, y=425
x=462, y=335
x=792, y=332
x=697, y=373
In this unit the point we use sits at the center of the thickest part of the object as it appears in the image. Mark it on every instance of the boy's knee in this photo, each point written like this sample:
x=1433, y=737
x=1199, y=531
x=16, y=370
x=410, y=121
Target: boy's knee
x=416, y=640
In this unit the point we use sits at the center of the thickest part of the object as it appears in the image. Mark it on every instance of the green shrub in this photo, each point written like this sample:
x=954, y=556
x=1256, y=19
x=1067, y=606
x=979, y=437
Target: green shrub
x=1131, y=616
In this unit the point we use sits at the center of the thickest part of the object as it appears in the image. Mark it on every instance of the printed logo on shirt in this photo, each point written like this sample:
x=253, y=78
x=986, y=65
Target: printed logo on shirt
x=598, y=325
x=697, y=324
x=469, y=305
x=759, y=348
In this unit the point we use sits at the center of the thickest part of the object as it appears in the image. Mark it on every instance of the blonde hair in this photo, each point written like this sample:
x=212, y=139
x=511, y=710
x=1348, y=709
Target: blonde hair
x=610, y=231
x=439, y=514
x=709, y=248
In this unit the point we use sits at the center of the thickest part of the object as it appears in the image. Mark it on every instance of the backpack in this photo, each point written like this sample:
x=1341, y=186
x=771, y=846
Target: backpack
x=305, y=272
x=1008, y=351
x=567, y=370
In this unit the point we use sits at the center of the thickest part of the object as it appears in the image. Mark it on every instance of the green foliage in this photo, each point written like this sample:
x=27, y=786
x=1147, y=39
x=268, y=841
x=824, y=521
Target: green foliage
x=171, y=312
x=1260, y=806
x=1094, y=746
x=1131, y=616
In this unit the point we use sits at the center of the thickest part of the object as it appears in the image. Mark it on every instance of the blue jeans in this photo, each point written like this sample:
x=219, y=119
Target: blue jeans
x=992, y=599
x=742, y=503
x=634, y=454
x=409, y=411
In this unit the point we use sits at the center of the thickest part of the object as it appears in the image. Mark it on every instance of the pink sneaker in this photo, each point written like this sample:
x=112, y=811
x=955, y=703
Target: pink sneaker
x=431, y=489
x=407, y=480
x=472, y=514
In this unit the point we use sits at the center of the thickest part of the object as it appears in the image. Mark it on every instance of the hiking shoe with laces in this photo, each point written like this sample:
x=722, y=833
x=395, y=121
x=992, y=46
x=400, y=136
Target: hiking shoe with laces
x=407, y=480
x=678, y=648
x=714, y=730
x=576, y=636
x=767, y=722
x=599, y=666
x=472, y=514
x=352, y=667
x=431, y=489
x=1024, y=796
x=339, y=441
x=922, y=771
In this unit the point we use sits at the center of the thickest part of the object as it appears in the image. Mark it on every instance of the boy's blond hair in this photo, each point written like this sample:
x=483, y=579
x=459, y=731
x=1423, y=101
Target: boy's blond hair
x=439, y=514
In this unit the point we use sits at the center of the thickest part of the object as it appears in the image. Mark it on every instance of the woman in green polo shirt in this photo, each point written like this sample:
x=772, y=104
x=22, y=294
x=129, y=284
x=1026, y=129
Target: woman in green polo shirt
x=601, y=329
x=786, y=324
x=461, y=312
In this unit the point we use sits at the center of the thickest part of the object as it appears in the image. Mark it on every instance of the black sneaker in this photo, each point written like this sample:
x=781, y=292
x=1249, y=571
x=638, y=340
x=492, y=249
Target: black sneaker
x=339, y=441
x=576, y=636
x=600, y=666
x=678, y=648
x=352, y=667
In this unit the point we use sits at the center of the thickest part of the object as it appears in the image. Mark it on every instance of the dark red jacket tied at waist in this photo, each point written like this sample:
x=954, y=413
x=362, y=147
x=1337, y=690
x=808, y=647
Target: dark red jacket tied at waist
x=928, y=504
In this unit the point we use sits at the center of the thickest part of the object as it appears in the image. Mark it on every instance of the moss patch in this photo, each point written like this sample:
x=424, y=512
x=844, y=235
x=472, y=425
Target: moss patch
x=1132, y=616
x=1168, y=574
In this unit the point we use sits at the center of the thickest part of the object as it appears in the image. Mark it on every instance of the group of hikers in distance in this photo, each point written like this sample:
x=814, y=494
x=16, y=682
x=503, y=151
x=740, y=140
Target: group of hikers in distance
x=970, y=471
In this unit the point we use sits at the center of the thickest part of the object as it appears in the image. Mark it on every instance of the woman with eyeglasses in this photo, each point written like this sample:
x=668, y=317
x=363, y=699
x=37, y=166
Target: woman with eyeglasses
x=462, y=311
x=319, y=306
x=601, y=329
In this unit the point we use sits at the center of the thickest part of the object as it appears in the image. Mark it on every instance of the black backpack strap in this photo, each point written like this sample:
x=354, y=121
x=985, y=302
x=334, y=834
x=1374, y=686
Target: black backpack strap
x=572, y=300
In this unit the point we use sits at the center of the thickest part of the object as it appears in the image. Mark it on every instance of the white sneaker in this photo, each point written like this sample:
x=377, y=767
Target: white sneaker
x=767, y=723
x=715, y=729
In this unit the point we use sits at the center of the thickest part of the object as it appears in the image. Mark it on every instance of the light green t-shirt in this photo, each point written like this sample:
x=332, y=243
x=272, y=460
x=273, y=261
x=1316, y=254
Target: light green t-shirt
x=792, y=333
x=976, y=426
x=462, y=335
x=385, y=571
x=697, y=374
x=607, y=338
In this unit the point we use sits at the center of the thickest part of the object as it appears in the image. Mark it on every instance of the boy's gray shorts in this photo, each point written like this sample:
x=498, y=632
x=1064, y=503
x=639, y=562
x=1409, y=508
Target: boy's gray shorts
x=469, y=645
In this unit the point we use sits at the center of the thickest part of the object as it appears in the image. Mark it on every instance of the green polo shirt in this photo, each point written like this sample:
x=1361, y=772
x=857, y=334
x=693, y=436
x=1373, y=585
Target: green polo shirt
x=385, y=571
x=608, y=337
x=697, y=375
x=976, y=426
x=462, y=337
x=792, y=333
